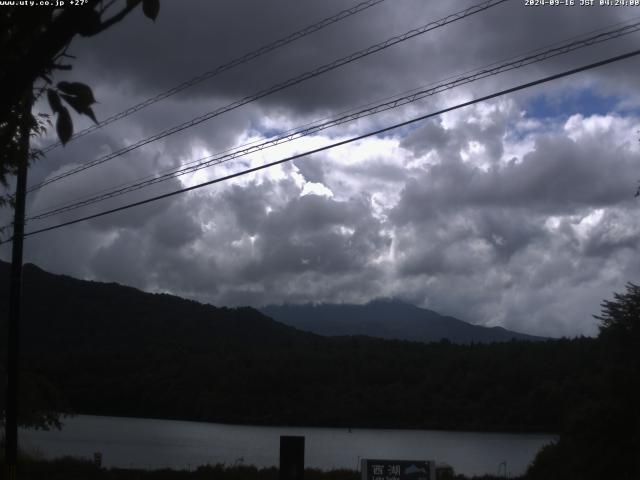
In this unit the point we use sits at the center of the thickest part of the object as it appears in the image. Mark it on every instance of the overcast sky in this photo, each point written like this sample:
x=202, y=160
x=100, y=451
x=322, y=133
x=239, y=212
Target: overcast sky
x=517, y=212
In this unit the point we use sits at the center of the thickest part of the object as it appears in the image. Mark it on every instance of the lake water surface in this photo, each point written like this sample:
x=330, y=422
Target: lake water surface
x=152, y=444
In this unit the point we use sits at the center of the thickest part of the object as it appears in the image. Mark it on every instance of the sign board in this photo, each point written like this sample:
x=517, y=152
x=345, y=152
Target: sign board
x=398, y=469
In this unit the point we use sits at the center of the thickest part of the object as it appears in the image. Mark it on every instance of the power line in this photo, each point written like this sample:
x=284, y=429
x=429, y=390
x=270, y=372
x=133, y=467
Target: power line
x=115, y=189
x=343, y=142
x=280, y=86
x=294, y=134
x=223, y=68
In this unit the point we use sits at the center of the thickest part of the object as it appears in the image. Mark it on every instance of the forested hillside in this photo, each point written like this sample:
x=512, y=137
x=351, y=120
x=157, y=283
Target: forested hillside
x=109, y=349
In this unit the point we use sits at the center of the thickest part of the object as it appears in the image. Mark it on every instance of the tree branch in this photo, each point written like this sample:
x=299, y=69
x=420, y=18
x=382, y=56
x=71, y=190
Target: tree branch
x=115, y=19
x=107, y=6
x=54, y=40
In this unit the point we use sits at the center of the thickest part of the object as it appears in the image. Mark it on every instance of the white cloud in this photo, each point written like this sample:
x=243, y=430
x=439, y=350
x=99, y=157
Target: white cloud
x=487, y=212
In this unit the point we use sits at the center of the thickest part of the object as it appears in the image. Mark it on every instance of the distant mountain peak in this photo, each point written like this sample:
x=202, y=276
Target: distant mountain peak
x=389, y=318
x=388, y=301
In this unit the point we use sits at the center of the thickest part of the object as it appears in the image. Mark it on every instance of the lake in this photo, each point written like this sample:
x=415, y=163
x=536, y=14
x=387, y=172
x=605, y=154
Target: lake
x=153, y=444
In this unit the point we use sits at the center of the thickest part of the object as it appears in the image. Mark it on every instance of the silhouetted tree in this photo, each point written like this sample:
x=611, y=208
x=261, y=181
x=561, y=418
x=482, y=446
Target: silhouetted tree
x=620, y=343
x=33, y=45
x=601, y=438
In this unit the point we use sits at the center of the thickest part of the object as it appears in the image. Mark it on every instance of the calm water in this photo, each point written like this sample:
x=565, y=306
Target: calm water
x=151, y=444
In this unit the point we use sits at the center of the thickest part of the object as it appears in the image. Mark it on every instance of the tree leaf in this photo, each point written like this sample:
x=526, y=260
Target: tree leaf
x=80, y=106
x=77, y=89
x=89, y=113
x=54, y=100
x=90, y=24
x=132, y=3
x=77, y=104
x=64, y=125
x=151, y=8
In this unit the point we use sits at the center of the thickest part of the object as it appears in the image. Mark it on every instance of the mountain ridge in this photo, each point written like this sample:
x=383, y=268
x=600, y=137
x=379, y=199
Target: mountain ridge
x=388, y=318
x=106, y=349
x=58, y=307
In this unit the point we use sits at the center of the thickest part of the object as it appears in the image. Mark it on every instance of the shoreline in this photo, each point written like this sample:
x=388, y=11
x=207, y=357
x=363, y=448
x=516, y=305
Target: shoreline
x=321, y=426
x=77, y=468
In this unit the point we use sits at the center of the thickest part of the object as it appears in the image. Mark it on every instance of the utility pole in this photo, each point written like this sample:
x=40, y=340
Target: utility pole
x=15, y=293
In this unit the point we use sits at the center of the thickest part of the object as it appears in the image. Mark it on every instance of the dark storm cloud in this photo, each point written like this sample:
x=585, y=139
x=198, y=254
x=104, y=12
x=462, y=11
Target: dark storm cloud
x=60, y=193
x=153, y=61
x=183, y=228
x=468, y=241
x=308, y=233
x=559, y=176
x=157, y=156
x=545, y=286
x=443, y=254
x=612, y=234
x=430, y=136
x=486, y=130
x=137, y=59
x=534, y=242
x=379, y=169
x=508, y=233
x=119, y=262
x=154, y=256
x=189, y=40
x=251, y=241
x=311, y=171
x=439, y=214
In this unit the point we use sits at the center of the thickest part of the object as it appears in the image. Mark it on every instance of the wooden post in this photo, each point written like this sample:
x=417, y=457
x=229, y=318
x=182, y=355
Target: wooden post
x=291, y=458
x=15, y=295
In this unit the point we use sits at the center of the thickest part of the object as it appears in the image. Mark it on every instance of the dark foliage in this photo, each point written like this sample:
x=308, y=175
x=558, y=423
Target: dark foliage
x=601, y=438
x=33, y=46
x=77, y=469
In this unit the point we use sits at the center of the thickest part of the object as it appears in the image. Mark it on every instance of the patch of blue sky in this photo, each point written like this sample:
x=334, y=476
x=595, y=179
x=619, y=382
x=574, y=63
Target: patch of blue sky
x=548, y=112
x=561, y=106
x=257, y=129
x=400, y=132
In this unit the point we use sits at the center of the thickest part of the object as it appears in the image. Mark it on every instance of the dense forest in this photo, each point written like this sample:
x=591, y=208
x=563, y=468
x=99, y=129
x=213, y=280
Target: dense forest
x=346, y=382
x=106, y=349
x=600, y=436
